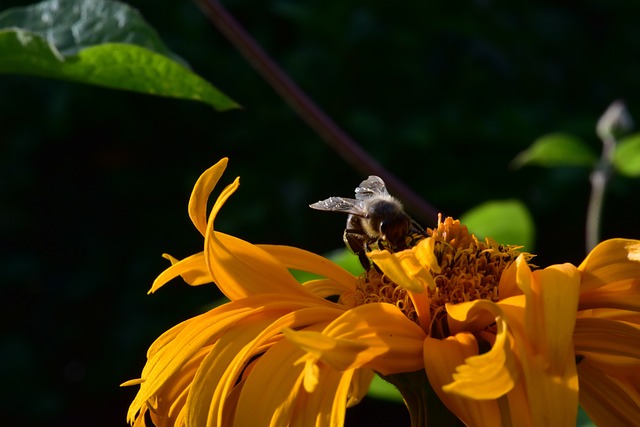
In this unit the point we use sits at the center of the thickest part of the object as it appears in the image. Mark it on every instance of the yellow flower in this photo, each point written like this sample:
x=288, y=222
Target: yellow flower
x=499, y=341
x=279, y=352
x=522, y=347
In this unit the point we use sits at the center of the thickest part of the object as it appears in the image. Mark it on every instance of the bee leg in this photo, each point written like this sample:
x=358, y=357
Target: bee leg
x=356, y=241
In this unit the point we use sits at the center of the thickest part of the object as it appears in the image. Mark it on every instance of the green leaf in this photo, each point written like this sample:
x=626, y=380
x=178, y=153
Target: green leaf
x=72, y=25
x=380, y=389
x=556, y=149
x=626, y=158
x=98, y=42
x=507, y=222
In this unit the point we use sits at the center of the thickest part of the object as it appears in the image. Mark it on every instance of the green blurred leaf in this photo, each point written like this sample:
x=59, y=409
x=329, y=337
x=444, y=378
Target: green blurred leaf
x=508, y=222
x=98, y=42
x=556, y=149
x=626, y=159
x=380, y=389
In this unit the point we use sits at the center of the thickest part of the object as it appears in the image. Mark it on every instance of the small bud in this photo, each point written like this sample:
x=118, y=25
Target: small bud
x=615, y=122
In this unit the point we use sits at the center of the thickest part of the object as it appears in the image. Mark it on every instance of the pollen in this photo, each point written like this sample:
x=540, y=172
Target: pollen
x=470, y=269
x=374, y=286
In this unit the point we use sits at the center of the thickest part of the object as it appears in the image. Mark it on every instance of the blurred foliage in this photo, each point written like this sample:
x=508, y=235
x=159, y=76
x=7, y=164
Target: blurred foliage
x=99, y=42
x=94, y=183
x=506, y=221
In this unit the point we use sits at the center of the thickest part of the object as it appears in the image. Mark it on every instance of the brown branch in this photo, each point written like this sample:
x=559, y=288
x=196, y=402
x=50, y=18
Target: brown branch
x=322, y=124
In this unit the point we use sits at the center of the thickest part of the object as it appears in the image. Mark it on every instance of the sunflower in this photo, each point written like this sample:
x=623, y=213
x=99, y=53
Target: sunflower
x=497, y=340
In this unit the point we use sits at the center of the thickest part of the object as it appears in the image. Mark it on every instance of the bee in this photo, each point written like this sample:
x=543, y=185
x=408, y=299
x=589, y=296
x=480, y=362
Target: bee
x=376, y=220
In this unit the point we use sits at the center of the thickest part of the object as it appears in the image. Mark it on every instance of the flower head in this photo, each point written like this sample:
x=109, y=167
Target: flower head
x=500, y=341
x=511, y=344
x=316, y=357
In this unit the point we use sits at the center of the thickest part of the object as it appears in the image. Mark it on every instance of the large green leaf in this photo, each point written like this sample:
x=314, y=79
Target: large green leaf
x=627, y=156
x=556, y=149
x=506, y=221
x=98, y=42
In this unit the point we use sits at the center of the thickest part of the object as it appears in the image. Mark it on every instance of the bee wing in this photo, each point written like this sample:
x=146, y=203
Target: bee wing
x=372, y=186
x=340, y=204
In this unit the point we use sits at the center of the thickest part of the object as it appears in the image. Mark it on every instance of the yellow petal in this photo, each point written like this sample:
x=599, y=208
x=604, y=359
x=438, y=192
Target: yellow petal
x=441, y=358
x=373, y=336
x=269, y=395
x=544, y=342
x=299, y=259
x=508, y=286
x=609, y=337
x=622, y=295
x=425, y=254
x=404, y=269
x=201, y=191
x=611, y=261
x=241, y=269
x=609, y=401
x=229, y=357
x=492, y=374
x=193, y=270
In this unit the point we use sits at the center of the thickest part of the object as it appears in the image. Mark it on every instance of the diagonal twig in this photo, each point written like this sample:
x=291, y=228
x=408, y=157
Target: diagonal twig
x=309, y=111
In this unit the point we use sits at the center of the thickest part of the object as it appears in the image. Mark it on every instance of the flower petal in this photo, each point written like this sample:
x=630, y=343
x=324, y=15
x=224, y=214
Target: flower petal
x=609, y=337
x=404, y=269
x=609, y=401
x=193, y=270
x=492, y=374
x=241, y=269
x=268, y=396
x=544, y=342
x=299, y=259
x=374, y=336
x=441, y=358
x=200, y=194
x=611, y=261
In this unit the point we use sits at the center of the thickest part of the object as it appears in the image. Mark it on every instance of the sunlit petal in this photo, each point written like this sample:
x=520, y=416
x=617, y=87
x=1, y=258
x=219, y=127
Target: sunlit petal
x=611, y=261
x=241, y=269
x=348, y=341
x=201, y=191
x=404, y=269
x=299, y=259
x=193, y=270
x=546, y=349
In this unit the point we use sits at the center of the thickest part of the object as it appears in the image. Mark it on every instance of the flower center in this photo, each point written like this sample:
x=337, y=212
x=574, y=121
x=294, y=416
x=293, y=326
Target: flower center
x=470, y=269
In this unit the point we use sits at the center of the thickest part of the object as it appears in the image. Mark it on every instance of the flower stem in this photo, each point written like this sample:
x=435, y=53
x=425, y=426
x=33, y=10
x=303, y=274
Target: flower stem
x=309, y=111
x=599, y=180
x=424, y=405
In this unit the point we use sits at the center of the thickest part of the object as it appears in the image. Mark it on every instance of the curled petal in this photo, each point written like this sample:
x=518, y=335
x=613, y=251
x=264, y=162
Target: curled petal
x=193, y=270
x=241, y=269
x=200, y=194
x=492, y=374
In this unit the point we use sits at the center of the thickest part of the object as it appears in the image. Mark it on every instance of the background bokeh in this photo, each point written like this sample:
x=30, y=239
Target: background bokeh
x=94, y=183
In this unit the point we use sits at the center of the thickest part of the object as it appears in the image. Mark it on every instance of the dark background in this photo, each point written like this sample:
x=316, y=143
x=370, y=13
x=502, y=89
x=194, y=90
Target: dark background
x=94, y=183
